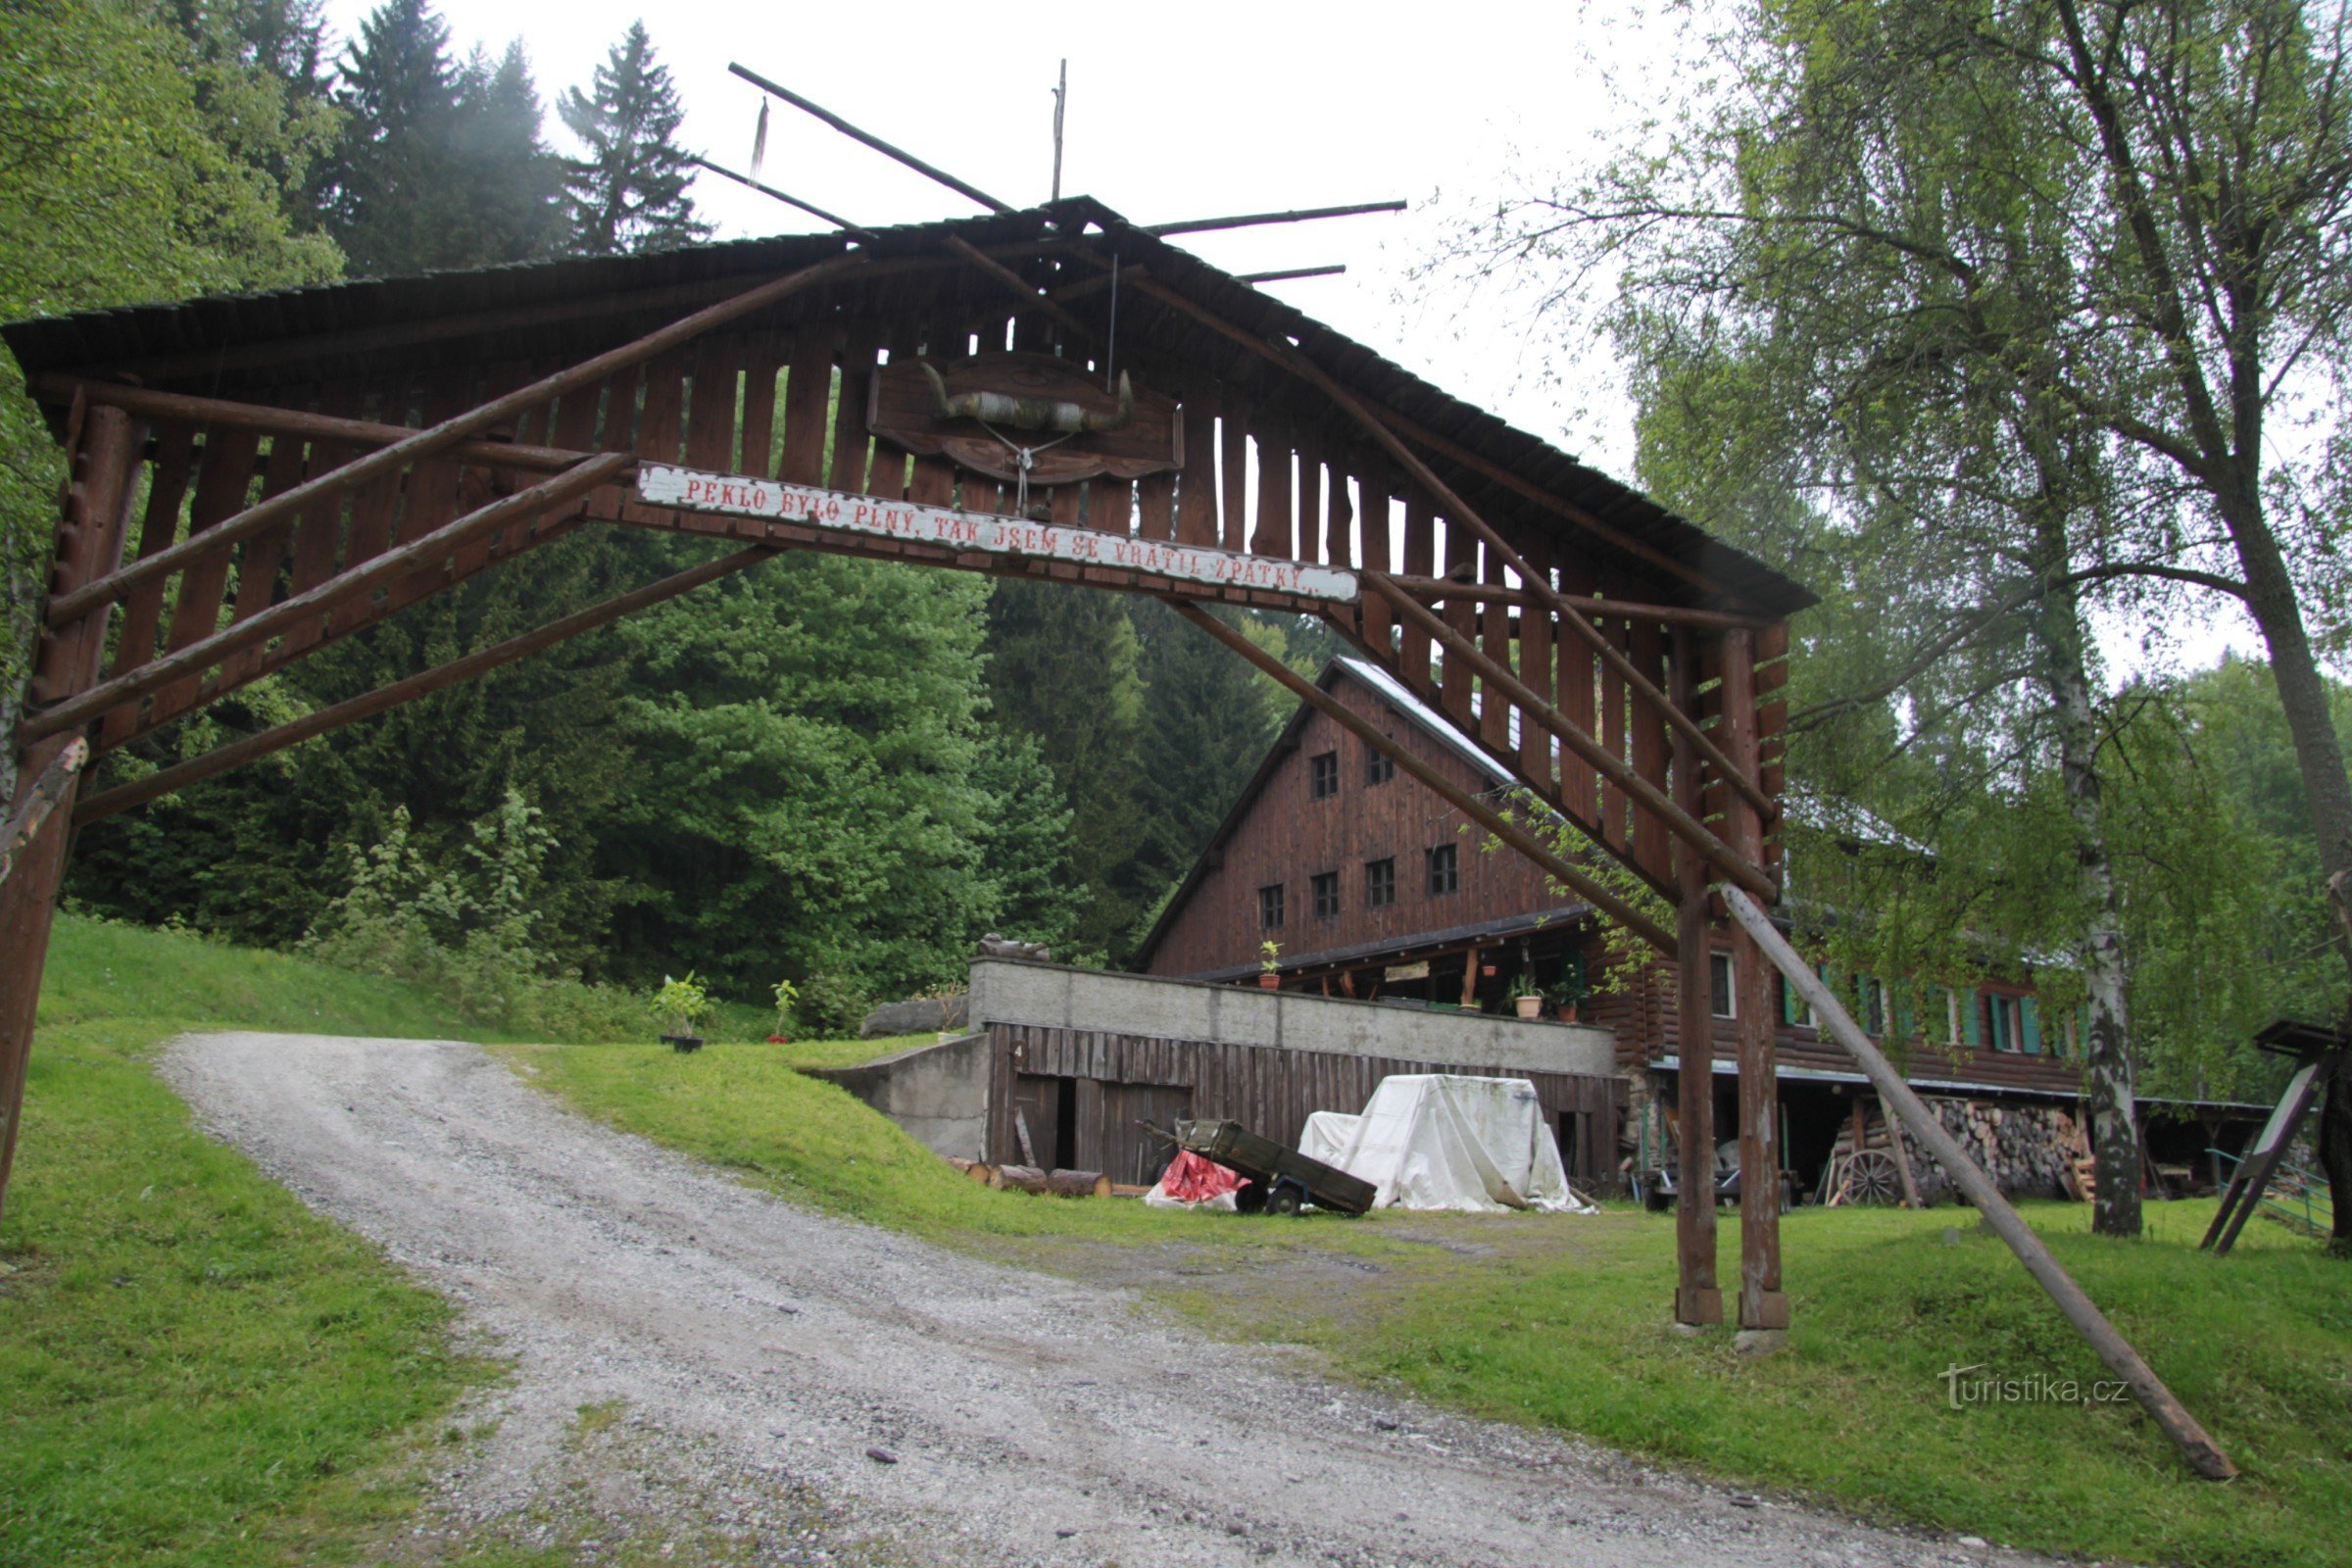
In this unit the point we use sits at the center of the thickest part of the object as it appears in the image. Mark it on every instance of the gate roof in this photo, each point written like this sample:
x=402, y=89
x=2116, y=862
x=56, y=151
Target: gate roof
x=248, y=346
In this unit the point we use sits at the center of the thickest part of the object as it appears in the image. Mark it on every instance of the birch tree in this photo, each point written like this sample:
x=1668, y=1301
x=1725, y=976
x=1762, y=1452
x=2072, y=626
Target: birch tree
x=2117, y=227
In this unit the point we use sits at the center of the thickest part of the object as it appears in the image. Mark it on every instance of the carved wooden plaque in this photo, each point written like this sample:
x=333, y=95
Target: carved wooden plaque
x=903, y=409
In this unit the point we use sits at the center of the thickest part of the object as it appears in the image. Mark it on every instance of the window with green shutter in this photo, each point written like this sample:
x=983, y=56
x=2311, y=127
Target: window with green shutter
x=2030, y=1021
x=1971, y=1020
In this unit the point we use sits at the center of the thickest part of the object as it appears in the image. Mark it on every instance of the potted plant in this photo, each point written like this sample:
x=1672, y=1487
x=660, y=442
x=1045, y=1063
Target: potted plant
x=1568, y=995
x=1526, y=998
x=681, y=1003
x=1269, y=961
x=786, y=992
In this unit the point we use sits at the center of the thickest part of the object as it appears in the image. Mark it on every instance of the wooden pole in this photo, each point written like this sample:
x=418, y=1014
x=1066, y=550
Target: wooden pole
x=1470, y=805
x=1197, y=225
x=392, y=564
x=1763, y=1307
x=2204, y=1456
x=438, y=438
x=218, y=760
x=97, y=515
x=1697, y=1298
x=1612, y=766
x=871, y=139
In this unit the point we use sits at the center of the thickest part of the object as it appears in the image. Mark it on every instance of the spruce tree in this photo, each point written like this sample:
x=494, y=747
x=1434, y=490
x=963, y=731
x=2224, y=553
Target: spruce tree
x=391, y=193
x=514, y=183
x=629, y=192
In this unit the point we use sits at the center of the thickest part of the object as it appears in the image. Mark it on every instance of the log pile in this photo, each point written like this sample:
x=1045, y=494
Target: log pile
x=2028, y=1150
x=1031, y=1179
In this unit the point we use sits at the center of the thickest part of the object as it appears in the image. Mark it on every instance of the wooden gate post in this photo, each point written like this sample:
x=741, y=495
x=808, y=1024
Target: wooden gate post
x=1763, y=1309
x=89, y=545
x=1698, y=1298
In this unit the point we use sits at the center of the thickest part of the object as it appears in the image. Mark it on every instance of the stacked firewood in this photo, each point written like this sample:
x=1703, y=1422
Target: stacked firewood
x=1031, y=1179
x=2028, y=1150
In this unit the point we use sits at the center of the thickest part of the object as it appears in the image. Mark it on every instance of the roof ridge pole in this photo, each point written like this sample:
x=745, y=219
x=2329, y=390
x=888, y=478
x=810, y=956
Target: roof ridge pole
x=1512, y=833
x=959, y=187
x=71, y=607
x=2204, y=1456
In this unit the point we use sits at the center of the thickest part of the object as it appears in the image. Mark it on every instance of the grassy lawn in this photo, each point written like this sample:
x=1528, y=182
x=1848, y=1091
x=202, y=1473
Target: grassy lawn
x=194, y=1370
x=1558, y=1321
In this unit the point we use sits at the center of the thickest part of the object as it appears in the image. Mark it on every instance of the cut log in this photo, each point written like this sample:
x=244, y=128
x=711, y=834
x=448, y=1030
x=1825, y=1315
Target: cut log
x=1052, y=1183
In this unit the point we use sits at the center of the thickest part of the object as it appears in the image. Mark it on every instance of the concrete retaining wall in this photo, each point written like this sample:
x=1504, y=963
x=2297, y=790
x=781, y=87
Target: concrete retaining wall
x=938, y=1093
x=1055, y=996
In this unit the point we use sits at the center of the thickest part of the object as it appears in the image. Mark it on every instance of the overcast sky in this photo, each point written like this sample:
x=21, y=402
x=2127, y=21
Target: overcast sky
x=1188, y=111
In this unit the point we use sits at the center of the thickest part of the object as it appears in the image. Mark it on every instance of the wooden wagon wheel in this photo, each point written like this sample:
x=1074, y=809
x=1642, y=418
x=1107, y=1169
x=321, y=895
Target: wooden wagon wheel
x=1870, y=1178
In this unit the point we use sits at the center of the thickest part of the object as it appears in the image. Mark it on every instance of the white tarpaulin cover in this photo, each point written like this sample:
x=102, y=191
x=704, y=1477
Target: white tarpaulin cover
x=1437, y=1141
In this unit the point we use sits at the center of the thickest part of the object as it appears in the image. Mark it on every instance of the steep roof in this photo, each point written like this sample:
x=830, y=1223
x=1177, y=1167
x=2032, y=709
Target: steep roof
x=561, y=310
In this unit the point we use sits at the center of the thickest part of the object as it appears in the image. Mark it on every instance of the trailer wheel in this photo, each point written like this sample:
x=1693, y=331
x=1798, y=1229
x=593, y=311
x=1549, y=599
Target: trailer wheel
x=1283, y=1199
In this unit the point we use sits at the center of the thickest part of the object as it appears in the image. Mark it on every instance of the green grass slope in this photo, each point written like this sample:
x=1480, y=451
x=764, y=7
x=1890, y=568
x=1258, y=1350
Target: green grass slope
x=194, y=1370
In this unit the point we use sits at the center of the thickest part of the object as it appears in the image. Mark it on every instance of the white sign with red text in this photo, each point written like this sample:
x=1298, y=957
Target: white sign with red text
x=664, y=486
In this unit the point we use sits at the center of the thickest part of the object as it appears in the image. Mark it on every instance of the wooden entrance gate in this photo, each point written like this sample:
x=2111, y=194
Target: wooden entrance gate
x=255, y=478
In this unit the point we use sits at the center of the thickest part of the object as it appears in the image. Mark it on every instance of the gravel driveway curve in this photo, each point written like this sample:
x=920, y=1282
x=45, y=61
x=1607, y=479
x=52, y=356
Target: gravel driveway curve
x=791, y=1356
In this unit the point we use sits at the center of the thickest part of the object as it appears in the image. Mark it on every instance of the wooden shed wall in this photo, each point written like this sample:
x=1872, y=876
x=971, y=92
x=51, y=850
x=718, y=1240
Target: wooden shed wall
x=1267, y=1089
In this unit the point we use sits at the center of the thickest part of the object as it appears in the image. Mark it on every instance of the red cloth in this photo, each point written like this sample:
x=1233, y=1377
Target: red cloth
x=1193, y=1179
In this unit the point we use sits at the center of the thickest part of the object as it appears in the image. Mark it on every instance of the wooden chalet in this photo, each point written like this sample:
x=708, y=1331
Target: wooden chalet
x=1376, y=888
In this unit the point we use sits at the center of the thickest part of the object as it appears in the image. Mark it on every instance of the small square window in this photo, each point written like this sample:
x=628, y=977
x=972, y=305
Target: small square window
x=1327, y=894
x=1445, y=870
x=1719, y=983
x=1380, y=883
x=1378, y=765
x=1323, y=775
x=1269, y=907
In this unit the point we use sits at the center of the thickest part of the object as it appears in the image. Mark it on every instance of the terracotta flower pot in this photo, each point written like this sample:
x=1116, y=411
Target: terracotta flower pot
x=1269, y=982
x=1568, y=1013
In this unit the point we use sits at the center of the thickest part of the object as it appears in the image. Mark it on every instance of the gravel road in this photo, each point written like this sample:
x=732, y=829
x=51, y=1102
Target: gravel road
x=703, y=1370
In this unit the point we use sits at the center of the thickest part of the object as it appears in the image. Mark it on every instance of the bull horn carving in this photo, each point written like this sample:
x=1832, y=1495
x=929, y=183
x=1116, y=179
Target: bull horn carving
x=1028, y=414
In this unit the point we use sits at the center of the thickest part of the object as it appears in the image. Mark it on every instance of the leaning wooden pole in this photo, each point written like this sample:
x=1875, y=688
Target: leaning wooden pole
x=1511, y=833
x=210, y=765
x=2204, y=1456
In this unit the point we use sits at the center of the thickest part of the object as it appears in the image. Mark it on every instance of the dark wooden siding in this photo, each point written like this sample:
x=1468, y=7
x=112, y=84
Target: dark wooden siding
x=1268, y=1089
x=1287, y=836
x=1644, y=1017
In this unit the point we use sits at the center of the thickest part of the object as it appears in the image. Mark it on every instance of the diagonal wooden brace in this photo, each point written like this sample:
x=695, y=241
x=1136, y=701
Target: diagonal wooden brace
x=1606, y=763
x=2204, y=1456
x=389, y=567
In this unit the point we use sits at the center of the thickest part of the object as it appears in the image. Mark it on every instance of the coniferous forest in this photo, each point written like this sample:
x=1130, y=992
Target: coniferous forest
x=829, y=771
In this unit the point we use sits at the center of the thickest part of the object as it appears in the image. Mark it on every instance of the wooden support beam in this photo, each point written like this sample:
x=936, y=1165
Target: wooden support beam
x=1763, y=1305
x=1437, y=590
x=2204, y=1456
x=1612, y=766
x=218, y=760
x=1512, y=833
x=439, y=438
x=104, y=454
x=387, y=568
x=1698, y=1298
x=222, y=414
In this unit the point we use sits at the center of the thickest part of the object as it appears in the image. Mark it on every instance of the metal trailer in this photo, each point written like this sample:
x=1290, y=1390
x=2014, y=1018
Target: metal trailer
x=1289, y=1178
